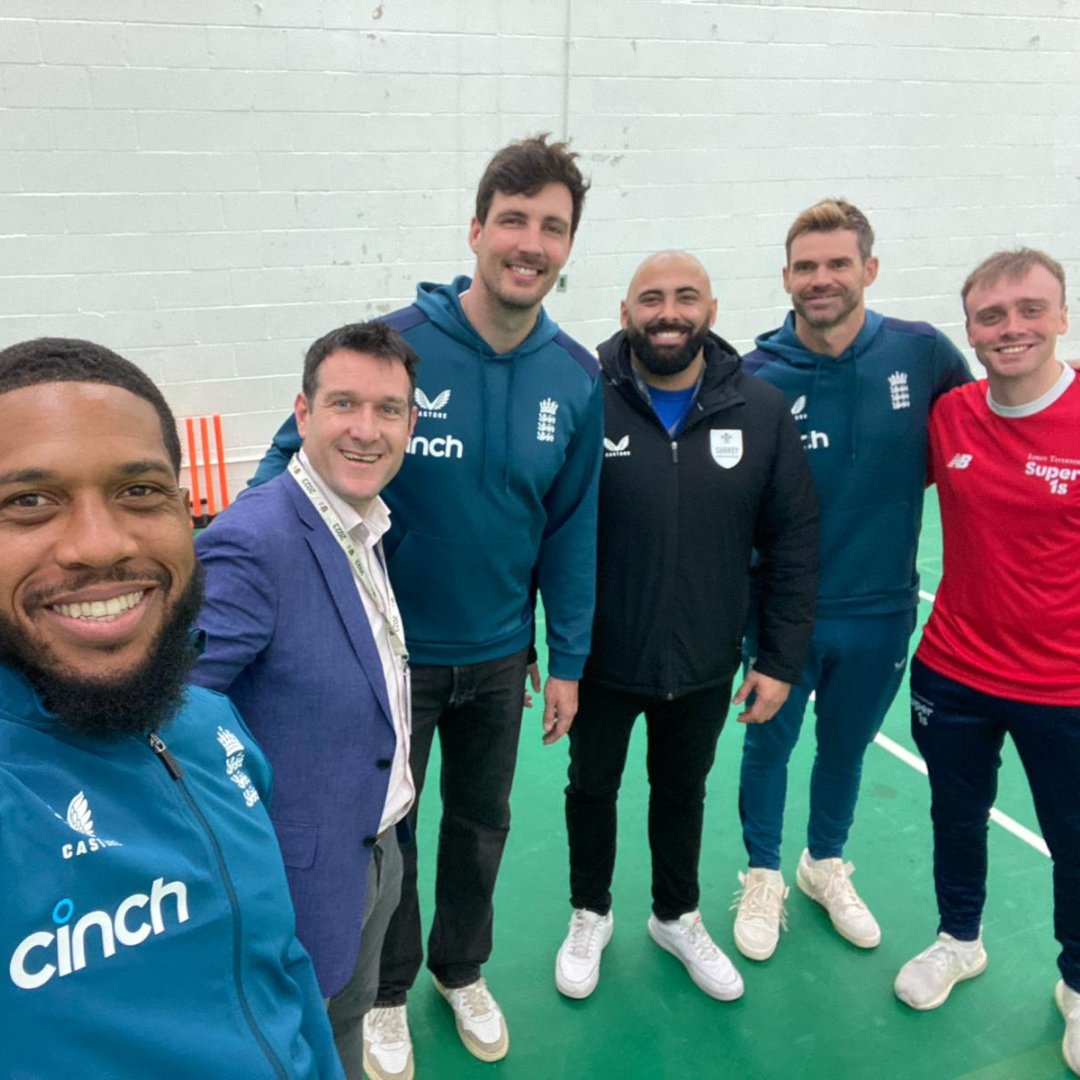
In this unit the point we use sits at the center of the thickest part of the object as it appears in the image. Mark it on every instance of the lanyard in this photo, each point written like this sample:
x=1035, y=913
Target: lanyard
x=385, y=605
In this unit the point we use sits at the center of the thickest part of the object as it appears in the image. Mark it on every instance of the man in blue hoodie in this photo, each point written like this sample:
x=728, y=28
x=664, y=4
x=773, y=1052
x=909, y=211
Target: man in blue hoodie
x=147, y=929
x=860, y=387
x=497, y=498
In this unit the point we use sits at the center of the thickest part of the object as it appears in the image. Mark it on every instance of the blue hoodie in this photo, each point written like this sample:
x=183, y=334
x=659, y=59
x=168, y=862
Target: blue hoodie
x=498, y=489
x=863, y=417
x=147, y=929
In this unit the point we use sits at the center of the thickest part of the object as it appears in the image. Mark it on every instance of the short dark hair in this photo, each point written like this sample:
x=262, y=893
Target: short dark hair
x=373, y=338
x=48, y=360
x=524, y=167
x=830, y=215
x=1013, y=265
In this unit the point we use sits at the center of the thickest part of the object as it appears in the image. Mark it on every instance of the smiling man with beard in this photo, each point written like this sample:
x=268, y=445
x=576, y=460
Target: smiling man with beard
x=128, y=863
x=702, y=464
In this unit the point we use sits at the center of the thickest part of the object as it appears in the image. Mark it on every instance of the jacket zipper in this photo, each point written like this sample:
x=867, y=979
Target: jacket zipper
x=172, y=766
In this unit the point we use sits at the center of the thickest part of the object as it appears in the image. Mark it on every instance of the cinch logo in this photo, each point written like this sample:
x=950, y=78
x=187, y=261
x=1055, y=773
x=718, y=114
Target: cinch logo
x=617, y=449
x=67, y=946
x=814, y=440
x=432, y=407
x=444, y=446
x=81, y=820
x=798, y=407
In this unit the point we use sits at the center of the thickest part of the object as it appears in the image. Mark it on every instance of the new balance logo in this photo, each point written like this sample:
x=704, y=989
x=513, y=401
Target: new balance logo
x=899, y=394
x=81, y=820
x=65, y=950
x=959, y=461
x=798, y=407
x=617, y=449
x=432, y=407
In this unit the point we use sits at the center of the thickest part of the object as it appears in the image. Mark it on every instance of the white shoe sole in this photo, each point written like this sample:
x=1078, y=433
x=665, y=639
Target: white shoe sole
x=940, y=1000
x=862, y=943
x=720, y=993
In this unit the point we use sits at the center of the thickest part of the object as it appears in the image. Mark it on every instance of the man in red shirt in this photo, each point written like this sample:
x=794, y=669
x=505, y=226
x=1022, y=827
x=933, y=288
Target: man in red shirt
x=1001, y=651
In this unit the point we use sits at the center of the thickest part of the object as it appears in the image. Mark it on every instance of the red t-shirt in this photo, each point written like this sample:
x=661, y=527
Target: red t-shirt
x=1006, y=620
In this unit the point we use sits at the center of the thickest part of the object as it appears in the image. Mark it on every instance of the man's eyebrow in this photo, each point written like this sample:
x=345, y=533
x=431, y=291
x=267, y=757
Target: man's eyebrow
x=28, y=476
x=48, y=476
x=145, y=465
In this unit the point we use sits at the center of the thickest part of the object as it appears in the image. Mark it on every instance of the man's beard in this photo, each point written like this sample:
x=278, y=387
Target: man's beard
x=849, y=301
x=666, y=360
x=112, y=707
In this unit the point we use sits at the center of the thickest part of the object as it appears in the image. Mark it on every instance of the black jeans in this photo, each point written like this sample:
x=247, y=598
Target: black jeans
x=476, y=709
x=682, y=736
x=960, y=732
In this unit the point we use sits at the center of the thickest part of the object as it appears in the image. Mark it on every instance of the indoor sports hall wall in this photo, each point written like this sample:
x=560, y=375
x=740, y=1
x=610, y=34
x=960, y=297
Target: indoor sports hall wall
x=207, y=185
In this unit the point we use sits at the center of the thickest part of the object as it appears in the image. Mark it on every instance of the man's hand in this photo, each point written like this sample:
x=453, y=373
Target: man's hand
x=532, y=673
x=769, y=695
x=560, y=707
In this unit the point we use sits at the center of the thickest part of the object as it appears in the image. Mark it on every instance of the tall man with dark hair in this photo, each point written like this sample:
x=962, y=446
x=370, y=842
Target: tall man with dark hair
x=304, y=635
x=702, y=464
x=860, y=386
x=133, y=836
x=499, y=493
x=1000, y=654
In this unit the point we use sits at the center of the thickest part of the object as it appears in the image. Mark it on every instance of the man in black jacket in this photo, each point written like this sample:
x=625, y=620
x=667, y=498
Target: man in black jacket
x=702, y=465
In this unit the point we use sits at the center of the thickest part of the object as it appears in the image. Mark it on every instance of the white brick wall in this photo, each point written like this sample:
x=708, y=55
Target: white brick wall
x=206, y=186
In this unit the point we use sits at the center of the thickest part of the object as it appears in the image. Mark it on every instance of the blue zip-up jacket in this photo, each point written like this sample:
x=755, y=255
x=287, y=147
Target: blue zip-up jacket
x=863, y=417
x=147, y=929
x=499, y=487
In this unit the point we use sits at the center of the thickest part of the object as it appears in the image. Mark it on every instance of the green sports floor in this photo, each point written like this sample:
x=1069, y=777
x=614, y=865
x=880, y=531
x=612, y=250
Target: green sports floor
x=820, y=1009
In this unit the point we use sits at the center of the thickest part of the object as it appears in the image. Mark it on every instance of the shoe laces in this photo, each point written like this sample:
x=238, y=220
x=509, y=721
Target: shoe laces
x=389, y=1026
x=584, y=935
x=699, y=940
x=760, y=899
x=476, y=1000
x=838, y=888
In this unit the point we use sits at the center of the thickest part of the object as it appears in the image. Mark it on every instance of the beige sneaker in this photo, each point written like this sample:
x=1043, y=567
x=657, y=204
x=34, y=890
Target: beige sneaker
x=828, y=881
x=479, y=1020
x=759, y=907
x=388, y=1051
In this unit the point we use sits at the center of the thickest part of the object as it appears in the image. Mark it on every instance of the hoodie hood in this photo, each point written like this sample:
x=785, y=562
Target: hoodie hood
x=442, y=305
x=784, y=342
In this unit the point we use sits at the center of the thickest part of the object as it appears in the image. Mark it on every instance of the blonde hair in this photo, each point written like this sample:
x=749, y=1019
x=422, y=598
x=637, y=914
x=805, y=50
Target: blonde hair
x=831, y=214
x=1013, y=265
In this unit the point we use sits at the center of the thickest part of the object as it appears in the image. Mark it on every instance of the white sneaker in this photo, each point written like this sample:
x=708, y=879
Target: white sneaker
x=1068, y=1001
x=759, y=905
x=577, y=967
x=828, y=881
x=479, y=1020
x=687, y=938
x=387, y=1045
x=927, y=980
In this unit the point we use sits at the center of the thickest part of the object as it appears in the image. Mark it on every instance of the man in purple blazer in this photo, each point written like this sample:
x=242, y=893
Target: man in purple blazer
x=304, y=635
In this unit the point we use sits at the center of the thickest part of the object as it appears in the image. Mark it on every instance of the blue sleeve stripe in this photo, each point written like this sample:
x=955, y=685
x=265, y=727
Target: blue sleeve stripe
x=902, y=326
x=405, y=319
x=583, y=356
